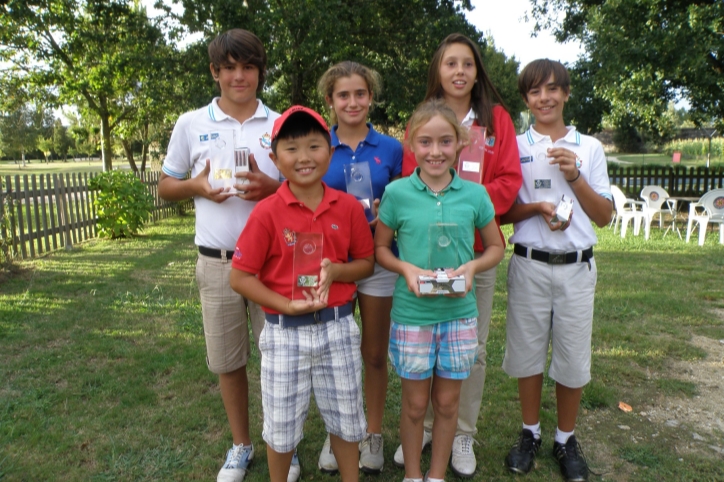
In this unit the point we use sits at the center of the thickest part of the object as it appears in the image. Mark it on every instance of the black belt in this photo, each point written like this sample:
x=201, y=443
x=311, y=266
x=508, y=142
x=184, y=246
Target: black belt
x=216, y=253
x=554, y=258
x=322, y=316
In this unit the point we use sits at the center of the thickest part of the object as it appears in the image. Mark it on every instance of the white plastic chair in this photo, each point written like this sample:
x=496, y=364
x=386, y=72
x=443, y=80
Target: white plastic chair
x=709, y=209
x=626, y=210
x=657, y=202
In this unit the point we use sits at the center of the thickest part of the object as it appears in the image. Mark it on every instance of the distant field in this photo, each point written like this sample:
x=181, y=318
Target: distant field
x=9, y=168
x=665, y=160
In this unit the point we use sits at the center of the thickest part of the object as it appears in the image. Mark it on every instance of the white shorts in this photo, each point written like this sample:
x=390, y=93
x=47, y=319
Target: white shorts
x=550, y=304
x=380, y=284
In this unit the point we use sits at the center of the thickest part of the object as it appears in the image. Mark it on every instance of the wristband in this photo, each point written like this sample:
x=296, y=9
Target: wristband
x=576, y=179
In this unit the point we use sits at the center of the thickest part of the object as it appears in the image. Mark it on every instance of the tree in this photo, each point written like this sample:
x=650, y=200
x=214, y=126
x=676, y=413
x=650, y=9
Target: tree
x=45, y=146
x=305, y=37
x=61, y=141
x=648, y=53
x=95, y=53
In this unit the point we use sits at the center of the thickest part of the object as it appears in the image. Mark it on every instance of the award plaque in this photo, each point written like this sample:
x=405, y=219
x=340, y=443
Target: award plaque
x=359, y=184
x=443, y=256
x=307, y=263
x=563, y=210
x=241, y=164
x=470, y=162
x=221, y=154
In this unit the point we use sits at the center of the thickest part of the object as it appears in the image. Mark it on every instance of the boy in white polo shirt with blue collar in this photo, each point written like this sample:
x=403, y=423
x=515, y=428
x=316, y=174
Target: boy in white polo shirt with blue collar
x=552, y=274
x=238, y=65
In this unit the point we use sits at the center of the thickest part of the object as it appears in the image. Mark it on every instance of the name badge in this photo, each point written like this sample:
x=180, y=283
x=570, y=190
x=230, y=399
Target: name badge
x=542, y=183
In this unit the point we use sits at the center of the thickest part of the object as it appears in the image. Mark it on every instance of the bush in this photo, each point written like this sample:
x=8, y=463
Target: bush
x=123, y=204
x=696, y=148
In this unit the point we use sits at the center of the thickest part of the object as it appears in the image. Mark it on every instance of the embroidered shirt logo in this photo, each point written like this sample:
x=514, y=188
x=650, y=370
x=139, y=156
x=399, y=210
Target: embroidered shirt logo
x=490, y=141
x=290, y=237
x=237, y=253
x=526, y=159
x=214, y=135
x=265, y=141
x=334, y=226
x=377, y=160
x=203, y=137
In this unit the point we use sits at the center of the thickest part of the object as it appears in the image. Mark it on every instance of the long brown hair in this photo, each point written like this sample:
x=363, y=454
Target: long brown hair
x=484, y=93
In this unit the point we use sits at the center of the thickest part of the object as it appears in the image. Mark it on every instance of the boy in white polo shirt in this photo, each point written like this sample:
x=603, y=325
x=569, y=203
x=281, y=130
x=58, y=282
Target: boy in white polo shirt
x=238, y=65
x=552, y=275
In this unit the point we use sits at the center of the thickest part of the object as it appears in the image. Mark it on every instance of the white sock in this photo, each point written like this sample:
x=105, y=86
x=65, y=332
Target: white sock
x=562, y=437
x=533, y=428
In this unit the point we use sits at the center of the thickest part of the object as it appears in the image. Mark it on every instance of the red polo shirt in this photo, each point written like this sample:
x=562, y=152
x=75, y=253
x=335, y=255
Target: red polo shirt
x=501, y=167
x=266, y=246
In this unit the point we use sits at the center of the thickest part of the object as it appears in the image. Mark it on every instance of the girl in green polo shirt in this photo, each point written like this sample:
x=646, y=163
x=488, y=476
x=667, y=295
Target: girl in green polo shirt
x=433, y=339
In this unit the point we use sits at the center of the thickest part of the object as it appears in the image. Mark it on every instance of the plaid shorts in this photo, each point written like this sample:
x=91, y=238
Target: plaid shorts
x=449, y=348
x=325, y=357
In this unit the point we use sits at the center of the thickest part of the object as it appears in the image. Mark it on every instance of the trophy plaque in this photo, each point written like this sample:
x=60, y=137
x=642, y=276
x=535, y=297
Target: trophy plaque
x=359, y=184
x=443, y=257
x=470, y=161
x=307, y=263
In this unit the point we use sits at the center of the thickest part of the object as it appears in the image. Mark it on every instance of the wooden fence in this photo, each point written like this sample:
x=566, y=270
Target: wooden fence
x=678, y=181
x=45, y=212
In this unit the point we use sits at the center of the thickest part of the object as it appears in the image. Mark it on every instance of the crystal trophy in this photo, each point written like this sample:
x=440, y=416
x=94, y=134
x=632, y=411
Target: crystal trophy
x=470, y=161
x=563, y=210
x=359, y=184
x=221, y=154
x=307, y=263
x=443, y=257
x=241, y=164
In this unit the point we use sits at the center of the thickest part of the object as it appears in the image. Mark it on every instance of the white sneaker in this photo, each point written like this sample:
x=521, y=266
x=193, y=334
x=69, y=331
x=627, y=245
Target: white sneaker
x=327, y=463
x=238, y=460
x=399, y=459
x=295, y=471
x=463, y=460
x=371, y=458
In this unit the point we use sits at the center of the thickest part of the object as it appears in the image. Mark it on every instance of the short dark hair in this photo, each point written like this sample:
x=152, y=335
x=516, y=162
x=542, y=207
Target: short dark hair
x=242, y=46
x=298, y=125
x=536, y=73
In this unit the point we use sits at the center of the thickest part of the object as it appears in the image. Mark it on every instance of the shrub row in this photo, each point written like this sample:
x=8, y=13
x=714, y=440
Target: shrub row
x=696, y=148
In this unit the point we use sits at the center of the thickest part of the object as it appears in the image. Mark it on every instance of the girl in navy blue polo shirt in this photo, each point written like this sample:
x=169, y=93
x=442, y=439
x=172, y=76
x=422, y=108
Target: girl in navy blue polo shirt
x=349, y=89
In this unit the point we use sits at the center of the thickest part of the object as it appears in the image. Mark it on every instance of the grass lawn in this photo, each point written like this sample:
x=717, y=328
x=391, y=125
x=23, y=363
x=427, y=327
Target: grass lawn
x=9, y=168
x=103, y=374
x=665, y=160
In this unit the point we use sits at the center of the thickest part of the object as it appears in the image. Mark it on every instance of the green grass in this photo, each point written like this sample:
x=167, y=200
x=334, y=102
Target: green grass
x=103, y=374
x=10, y=168
x=665, y=160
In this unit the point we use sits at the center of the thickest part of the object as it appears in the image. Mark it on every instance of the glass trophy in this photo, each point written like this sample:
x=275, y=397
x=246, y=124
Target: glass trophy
x=359, y=184
x=443, y=257
x=221, y=154
x=241, y=164
x=470, y=161
x=307, y=263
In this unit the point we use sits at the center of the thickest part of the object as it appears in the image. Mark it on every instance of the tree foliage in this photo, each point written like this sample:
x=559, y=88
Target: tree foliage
x=642, y=54
x=305, y=37
x=96, y=53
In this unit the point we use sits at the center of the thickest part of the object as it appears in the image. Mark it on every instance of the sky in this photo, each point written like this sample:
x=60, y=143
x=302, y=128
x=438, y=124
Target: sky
x=504, y=21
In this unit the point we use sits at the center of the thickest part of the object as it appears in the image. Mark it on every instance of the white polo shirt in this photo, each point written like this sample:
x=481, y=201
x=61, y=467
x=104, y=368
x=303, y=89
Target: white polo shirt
x=545, y=182
x=218, y=225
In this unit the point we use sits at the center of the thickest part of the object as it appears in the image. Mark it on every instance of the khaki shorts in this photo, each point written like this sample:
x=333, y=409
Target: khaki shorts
x=225, y=314
x=550, y=305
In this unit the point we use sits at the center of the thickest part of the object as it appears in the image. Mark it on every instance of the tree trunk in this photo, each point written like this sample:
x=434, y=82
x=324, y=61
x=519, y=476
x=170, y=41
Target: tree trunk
x=128, y=148
x=144, y=149
x=106, y=148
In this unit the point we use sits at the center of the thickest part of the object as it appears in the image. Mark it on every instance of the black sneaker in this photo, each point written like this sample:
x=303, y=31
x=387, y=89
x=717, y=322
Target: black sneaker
x=521, y=457
x=570, y=457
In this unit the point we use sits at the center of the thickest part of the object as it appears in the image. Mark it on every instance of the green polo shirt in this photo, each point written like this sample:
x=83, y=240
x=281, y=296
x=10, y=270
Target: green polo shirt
x=410, y=208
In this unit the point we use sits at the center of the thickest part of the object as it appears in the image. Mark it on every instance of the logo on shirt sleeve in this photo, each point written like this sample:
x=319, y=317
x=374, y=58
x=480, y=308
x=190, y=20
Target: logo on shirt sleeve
x=490, y=141
x=290, y=237
x=237, y=253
